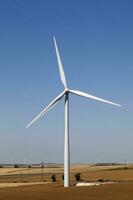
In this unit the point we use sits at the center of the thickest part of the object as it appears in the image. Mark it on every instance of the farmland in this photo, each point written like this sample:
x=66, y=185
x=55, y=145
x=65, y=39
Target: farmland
x=31, y=183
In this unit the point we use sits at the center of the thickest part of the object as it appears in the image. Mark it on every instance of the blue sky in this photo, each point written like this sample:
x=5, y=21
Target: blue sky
x=95, y=39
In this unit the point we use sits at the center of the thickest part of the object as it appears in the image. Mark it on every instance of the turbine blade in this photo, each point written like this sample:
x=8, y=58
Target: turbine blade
x=83, y=94
x=61, y=70
x=51, y=105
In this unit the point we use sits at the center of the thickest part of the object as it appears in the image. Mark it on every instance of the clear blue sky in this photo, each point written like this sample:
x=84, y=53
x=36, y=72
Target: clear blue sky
x=95, y=39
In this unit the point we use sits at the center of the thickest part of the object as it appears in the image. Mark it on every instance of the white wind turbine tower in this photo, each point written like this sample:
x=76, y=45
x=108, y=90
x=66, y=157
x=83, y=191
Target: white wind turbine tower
x=65, y=94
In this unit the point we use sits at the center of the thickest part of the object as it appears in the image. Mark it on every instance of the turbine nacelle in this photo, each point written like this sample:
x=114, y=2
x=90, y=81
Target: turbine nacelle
x=66, y=90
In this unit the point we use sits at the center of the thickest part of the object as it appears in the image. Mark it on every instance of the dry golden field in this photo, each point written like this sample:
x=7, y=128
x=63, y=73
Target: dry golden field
x=29, y=184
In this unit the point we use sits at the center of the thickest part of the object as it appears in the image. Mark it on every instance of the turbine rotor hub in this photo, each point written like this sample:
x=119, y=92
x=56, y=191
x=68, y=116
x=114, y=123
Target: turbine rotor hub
x=66, y=90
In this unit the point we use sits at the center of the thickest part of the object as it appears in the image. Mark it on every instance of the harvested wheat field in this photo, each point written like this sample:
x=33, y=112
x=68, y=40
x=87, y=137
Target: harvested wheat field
x=29, y=183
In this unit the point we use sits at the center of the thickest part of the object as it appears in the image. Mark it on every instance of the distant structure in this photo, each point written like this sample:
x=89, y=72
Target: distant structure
x=106, y=164
x=65, y=94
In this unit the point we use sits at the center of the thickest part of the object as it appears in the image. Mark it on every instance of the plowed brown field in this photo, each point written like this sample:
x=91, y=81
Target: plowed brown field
x=121, y=191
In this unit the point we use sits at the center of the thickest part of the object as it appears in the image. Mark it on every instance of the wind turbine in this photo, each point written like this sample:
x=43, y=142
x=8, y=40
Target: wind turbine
x=65, y=94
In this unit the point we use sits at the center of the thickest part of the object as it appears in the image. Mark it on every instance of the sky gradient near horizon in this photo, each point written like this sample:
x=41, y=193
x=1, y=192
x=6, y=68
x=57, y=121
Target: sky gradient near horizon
x=95, y=40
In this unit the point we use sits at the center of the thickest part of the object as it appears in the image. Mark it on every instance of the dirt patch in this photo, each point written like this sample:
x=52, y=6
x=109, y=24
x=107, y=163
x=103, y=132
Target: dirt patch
x=6, y=185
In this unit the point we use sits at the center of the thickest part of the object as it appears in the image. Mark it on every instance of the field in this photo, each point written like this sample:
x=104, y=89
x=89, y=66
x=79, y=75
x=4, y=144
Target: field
x=30, y=183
